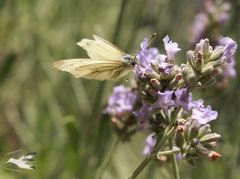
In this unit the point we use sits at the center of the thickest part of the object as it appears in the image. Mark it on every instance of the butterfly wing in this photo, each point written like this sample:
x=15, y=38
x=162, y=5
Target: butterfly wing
x=101, y=49
x=99, y=69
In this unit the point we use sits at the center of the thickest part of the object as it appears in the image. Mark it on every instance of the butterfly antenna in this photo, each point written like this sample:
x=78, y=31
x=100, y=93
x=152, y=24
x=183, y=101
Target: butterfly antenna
x=152, y=37
x=149, y=40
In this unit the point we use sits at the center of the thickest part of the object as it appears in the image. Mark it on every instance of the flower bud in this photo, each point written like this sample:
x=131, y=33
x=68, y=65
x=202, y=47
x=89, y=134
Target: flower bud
x=217, y=53
x=211, y=145
x=210, y=137
x=207, y=70
x=199, y=62
x=175, y=81
x=189, y=75
x=190, y=57
x=206, y=49
x=213, y=155
x=155, y=83
x=202, y=150
x=203, y=130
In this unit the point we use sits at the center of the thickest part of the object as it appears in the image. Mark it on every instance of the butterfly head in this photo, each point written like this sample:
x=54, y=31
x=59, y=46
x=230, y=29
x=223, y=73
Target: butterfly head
x=129, y=59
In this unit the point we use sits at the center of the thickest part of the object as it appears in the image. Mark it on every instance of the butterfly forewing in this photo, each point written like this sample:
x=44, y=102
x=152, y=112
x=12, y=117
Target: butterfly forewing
x=101, y=49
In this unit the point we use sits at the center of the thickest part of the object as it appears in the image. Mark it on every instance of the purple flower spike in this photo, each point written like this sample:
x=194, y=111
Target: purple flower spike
x=164, y=101
x=149, y=144
x=121, y=101
x=183, y=97
x=230, y=47
x=144, y=58
x=143, y=116
x=171, y=48
x=202, y=114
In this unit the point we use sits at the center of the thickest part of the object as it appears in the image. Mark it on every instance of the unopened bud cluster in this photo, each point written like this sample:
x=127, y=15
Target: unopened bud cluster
x=195, y=140
x=203, y=64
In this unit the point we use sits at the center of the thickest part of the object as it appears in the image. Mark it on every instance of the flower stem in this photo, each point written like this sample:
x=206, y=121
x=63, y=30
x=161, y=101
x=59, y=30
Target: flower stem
x=174, y=162
x=140, y=167
x=167, y=134
x=175, y=166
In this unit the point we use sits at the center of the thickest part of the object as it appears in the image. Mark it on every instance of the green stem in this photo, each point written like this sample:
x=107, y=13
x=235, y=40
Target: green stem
x=107, y=159
x=140, y=167
x=174, y=161
x=175, y=166
x=167, y=134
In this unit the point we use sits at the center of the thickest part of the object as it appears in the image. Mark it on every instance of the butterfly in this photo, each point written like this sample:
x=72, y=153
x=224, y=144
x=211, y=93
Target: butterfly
x=23, y=162
x=106, y=61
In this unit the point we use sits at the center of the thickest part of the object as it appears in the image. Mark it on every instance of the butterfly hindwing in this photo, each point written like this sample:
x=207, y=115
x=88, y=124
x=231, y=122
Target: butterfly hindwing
x=99, y=69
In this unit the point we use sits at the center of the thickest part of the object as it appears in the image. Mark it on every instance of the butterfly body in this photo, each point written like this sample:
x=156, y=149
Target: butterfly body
x=106, y=61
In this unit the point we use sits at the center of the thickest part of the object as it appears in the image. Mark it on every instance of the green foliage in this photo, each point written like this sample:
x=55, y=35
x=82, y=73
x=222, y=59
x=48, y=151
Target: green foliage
x=60, y=117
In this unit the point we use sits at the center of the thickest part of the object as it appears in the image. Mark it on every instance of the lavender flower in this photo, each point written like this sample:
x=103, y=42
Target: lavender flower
x=230, y=47
x=149, y=144
x=196, y=104
x=165, y=68
x=183, y=97
x=142, y=116
x=148, y=56
x=202, y=114
x=144, y=58
x=219, y=12
x=171, y=48
x=164, y=101
x=120, y=102
x=198, y=28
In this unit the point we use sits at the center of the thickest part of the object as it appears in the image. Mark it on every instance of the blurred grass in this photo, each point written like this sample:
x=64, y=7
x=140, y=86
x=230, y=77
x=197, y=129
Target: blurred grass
x=50, y=112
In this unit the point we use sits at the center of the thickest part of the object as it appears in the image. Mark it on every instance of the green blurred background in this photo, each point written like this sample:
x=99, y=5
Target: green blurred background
x=60, y=117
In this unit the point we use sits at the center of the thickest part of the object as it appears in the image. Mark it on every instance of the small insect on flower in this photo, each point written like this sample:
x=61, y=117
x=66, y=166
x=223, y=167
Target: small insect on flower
x=106, y=61
x=22, y=162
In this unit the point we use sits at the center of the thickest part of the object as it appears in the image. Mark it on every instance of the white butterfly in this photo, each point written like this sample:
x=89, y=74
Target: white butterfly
x=23, y=162
x=106, y=61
